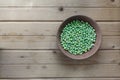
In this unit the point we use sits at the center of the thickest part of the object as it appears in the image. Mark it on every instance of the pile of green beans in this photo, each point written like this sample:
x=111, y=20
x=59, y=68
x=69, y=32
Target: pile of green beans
x=78, y=37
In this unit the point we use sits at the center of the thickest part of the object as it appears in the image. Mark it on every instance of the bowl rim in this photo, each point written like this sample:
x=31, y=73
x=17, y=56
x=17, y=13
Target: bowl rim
x=97, y=44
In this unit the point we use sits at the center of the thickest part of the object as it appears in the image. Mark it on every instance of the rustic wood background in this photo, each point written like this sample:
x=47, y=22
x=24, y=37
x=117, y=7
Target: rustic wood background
x=28, y=48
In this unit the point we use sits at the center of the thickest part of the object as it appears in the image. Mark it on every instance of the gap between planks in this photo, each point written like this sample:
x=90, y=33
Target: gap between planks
x=100, y=78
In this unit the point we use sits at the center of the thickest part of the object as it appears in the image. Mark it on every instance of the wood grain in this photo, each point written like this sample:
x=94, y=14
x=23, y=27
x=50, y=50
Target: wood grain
x=59, y=70
x=49, y=28
x=56, y=3
x=28, y=49
x=55, y=57
x=37, y=14
x=48, y=42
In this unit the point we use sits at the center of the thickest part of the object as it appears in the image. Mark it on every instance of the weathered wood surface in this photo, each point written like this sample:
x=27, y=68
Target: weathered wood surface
x=49, y=28
x=37, y=14
x=48, y=42
x=59, y=70
x=28, y=47
x=55, y=57
x=57, y=3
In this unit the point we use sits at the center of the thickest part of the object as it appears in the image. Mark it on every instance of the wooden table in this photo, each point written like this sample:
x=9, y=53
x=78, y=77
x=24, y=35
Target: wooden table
x=28, y=48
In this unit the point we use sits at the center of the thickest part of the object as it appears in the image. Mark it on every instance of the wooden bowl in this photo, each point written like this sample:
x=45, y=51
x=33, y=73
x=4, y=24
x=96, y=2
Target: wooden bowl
x=97, y=43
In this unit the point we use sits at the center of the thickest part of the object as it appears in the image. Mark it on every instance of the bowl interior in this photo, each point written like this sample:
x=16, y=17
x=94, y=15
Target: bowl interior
x=97, y=42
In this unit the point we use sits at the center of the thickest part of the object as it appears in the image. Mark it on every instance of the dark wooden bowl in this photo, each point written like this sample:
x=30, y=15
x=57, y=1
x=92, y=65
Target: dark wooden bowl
x=97, y=43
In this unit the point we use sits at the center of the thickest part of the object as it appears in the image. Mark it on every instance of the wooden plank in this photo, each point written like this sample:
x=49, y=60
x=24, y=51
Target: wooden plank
x=48, y=42
x=27, y=42
x=55, y=57
x=111, y=28
x=65, y=3
x=67, y=79
x=56, y=14
x=29, y=28
x=49, y=28
x=59, y=70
